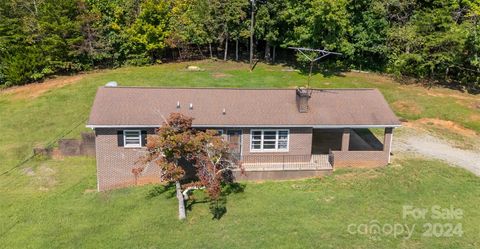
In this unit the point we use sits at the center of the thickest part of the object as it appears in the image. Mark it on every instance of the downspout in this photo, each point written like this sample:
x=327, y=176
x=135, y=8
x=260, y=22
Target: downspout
x=390, y=147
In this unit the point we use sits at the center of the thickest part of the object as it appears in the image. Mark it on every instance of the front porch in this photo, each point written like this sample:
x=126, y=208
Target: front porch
x=354, y=147
x=330, y=148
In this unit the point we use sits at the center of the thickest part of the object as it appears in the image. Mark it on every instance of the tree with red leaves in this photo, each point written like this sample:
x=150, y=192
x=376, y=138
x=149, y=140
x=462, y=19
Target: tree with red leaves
x=171, y=144
x=214, y=164
x=176, y=142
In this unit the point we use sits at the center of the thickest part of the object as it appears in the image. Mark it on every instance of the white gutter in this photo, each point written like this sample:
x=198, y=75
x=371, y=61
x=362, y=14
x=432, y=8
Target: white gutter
x=248, y=126
x=355, y=126
x=122, y=126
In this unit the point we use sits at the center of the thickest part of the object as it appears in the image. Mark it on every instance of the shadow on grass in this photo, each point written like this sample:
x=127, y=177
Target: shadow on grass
x=324, y=71
x=193, y=201
x=233, y=188
x=168, y=189
x=218, y=208
x=325, y=68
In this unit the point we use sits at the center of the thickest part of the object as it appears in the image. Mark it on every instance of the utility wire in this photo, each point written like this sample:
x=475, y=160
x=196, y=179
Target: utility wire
x=48, y=145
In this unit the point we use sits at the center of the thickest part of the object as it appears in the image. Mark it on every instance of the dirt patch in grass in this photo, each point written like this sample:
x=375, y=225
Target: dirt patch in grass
x=449, y=125
x=475, y=105
x=406, y=106
x=56, y=154
x=28, y=171
x=220, y=75
x=474, y=117
x=223, y=66
x=471, y=104
x=459, y=136
x=43, y=177
x=456, y=95
x=90, y=190
x=35, y=90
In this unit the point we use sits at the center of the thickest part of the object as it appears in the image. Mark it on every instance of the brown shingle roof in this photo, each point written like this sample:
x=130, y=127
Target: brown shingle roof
x=144, y=106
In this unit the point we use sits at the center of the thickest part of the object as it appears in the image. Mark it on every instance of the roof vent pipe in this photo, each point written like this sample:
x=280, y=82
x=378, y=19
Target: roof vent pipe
x=178, y=104
x=302, y=96
x=191, y=106
x=223, y=111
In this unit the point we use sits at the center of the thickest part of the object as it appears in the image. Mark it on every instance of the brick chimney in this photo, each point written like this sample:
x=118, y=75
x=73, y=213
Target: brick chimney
x=303, y=94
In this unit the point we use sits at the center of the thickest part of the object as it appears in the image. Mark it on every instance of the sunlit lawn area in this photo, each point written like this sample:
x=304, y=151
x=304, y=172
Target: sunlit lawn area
x=52, y=203
x=311, y=213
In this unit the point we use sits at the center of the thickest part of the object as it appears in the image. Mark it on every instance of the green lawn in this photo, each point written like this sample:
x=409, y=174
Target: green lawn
x=290, y=214
x=50, y=203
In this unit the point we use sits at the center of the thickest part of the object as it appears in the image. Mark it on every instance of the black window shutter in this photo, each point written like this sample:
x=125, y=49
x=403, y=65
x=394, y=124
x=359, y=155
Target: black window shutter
x=120, y=138
x=144, y=138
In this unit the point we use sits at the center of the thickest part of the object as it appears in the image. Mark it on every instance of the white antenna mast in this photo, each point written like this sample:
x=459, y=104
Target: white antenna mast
x=320, y=54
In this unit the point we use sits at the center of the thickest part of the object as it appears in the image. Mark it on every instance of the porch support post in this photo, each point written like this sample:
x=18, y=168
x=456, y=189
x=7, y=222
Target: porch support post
x=345, y=139
x=387, y=141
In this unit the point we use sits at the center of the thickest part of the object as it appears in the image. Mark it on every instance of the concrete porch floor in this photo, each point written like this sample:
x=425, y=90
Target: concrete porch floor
x=324, y=140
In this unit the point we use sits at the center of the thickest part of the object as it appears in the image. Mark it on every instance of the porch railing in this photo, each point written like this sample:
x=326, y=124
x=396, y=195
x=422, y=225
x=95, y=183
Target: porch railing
x=285, y=162
x=331, y=157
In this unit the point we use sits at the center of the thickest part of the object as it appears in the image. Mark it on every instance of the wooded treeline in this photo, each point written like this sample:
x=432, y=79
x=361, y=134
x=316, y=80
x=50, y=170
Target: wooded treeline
x=438, y=40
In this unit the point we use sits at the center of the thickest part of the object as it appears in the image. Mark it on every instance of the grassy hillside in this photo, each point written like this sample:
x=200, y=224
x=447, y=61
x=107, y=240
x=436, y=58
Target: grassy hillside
x=37, y=116
x=52, y=203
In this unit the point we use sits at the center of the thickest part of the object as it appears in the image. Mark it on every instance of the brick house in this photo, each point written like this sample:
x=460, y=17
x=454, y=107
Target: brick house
x=277, y=133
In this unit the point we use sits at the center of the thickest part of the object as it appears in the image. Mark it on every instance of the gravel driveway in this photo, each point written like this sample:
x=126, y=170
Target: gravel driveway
x=433, y=147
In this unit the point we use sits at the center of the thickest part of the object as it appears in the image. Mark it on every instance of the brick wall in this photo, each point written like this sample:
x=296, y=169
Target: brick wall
x=78, y=147
x=366, y=159
x=362, y=159
x=300, y=142
x=115, y=164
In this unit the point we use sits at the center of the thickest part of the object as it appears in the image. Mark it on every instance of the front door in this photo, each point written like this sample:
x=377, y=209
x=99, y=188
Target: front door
x=234, y=138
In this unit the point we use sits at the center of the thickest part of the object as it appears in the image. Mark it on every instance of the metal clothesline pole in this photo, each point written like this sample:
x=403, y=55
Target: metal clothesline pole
x=252, y=19
x=321, y=54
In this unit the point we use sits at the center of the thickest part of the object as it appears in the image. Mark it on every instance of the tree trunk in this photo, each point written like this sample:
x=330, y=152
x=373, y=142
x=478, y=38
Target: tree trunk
x=35, y=7
x=273, y=58
x=236, y=49
x=210, y=49
x=200, y=50
x=226, y=49
x=267, y=52
x=180, y=53
x=181, y=202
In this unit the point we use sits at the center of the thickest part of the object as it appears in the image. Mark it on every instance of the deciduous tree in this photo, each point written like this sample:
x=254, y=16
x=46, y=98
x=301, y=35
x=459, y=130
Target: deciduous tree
x=175, y=143
x=214, y=164
x=172, y=144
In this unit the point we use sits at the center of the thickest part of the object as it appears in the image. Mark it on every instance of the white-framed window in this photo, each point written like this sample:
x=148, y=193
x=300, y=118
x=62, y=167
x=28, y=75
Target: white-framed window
x=269, y=140
x=132, y=138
